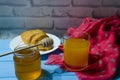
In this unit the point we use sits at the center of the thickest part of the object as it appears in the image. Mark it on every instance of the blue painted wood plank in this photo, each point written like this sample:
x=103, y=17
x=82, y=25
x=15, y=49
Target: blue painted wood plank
x=7, y=57
x=7, y=72
x=8, y=79
x=4, y=44
x=7, y=69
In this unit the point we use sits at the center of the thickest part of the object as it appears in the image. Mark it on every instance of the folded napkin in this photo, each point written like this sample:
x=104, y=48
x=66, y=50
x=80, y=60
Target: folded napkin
x=104, y=49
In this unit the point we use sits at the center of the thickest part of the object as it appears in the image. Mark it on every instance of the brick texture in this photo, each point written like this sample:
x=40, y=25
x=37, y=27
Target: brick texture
x=11, y=23
x=51, y=2
x=81, y=12
x=53, y=16
x=38, y=23
x=73, y=12
x=111, y=3
x=33, y=12
x=13, y=2
x=64, y=23
x=6, y=11
x=93, y=3
x=104, y=12
x=61, y=11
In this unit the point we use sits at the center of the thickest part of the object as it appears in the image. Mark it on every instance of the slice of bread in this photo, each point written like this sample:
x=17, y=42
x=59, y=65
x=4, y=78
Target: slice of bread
x=31, y=37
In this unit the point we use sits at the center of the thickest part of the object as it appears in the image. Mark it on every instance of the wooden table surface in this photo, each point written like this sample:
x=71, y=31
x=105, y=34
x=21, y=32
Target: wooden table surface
x=50, y=72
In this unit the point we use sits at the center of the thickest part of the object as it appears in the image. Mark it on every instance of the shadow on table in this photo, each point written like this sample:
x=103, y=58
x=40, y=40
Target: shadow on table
x=45, y=56
x=45, y=75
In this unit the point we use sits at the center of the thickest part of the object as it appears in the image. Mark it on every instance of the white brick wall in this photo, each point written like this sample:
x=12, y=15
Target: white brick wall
x=88, y=3
x=11, y=23
x=51, y=2
x=13, y=2
x=32, y=11
x=6, y=11
x=104, y=12
x=53, y=16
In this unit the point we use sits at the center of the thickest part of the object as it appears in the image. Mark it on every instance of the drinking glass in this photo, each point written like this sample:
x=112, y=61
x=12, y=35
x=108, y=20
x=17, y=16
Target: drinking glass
x=27, y=63
x=76, y=52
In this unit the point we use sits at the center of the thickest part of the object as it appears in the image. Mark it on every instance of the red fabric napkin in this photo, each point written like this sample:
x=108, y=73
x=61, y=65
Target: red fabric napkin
x=104, y=49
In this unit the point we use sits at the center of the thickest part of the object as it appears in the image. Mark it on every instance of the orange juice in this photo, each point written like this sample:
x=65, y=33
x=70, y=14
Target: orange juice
x=27, y=64
x=76, y=53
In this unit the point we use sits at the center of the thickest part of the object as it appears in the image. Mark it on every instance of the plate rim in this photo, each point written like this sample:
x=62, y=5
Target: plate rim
x=41, y=52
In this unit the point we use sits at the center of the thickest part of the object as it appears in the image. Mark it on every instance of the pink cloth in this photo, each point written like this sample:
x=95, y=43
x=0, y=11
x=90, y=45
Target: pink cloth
x=104, y=49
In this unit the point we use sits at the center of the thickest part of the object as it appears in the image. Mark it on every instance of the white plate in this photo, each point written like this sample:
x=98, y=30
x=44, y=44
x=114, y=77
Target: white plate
x=18, y=41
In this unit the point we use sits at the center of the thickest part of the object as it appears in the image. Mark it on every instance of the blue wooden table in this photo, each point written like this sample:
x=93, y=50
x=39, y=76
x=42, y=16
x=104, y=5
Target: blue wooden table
x=50, y=72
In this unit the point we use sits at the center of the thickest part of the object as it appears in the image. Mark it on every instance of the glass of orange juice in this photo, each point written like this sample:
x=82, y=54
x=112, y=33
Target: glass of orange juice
x=76, y=52
x=27, y=63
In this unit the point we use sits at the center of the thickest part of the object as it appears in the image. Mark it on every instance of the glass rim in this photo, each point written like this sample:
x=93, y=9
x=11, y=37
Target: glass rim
x=21, y=46
x=67, y=36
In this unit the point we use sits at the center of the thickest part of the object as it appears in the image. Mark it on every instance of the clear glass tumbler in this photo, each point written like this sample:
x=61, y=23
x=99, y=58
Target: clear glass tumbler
x=27, y=63
x=76, y=52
